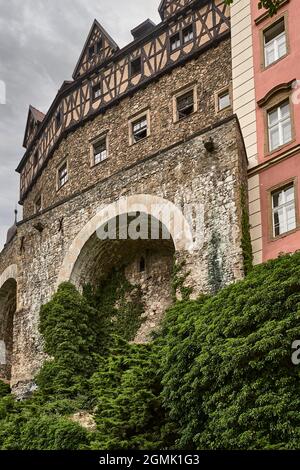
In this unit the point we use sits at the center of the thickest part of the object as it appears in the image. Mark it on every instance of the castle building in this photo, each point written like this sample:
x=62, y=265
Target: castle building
x=169, y=124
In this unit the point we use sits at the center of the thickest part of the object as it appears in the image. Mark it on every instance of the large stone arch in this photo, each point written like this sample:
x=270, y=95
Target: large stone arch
x=154, y=206
x=8, y=307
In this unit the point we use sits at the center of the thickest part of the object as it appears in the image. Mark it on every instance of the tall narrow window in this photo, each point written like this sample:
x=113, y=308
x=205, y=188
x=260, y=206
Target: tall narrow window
x=136, y=67
x=275, y=42
x=185, y=104
x=175, y=42
x=96, y=91
x=99, y=46
x=188, y=34
x=139, y=129
x=283, y=210
x=223, y=100
x=280, y=126
x=91, y=51
x=100, y=151
x=62, y=175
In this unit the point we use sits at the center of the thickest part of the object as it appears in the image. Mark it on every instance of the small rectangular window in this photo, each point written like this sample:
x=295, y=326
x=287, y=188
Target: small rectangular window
x=62, y=175
x=188, y=34
x=185, y=104
x=275, y=42
x=223, y=100
x=136, y=67
x=100, y=151
x=58, y=120
x=140, y=129
x=91, y=51
x=96, y=91
x=99, y=46
x=175, y=42
x=283, y=210
x=279, y=126
x=38, y=204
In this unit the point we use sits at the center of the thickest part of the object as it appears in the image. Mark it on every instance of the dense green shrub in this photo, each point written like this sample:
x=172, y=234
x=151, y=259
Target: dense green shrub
x=217, y=376
x=226, y=362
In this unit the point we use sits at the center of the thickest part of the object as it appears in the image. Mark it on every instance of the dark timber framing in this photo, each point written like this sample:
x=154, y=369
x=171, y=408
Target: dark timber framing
x=211, y=25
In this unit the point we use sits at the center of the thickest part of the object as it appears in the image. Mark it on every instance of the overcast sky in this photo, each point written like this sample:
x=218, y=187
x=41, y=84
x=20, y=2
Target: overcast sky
x=40, y=43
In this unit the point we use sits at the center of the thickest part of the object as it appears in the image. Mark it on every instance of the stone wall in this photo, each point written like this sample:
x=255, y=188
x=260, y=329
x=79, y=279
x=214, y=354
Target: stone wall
x=187, y=175
x=210, y=72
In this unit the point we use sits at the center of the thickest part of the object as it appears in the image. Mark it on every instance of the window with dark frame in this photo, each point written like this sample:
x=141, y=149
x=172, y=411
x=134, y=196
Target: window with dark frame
x=136, y=67
x=283, y=210
x=275, y=42
x=62, y=175
x=140, y=129
x=188, y=34
x=99, y=46
x=100, y=151
x=175, y=42
x=58, y=120
x=96, y=91
x=185, y=104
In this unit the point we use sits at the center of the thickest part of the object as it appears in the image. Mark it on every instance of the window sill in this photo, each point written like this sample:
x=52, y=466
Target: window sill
x=99, y=163
x=278, y=149
x=284, y=235
x=267, y=67
x=178, y=120
x=61, y=187
x=139, y=141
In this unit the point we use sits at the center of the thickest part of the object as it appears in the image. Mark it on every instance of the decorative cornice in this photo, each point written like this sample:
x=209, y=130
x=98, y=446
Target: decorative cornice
x=266, y=15
x=281, y=87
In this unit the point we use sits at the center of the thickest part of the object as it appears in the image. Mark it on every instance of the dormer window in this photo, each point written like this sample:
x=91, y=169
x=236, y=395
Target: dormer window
x=188, y=34
x=136, y=67
x=175, y=42
x=58, y=120
x=96, y=91
x=95, y=48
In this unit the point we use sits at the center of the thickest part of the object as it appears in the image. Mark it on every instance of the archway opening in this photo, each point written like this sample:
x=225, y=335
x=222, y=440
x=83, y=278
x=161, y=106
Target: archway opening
x=8, y=305
x=146, y=260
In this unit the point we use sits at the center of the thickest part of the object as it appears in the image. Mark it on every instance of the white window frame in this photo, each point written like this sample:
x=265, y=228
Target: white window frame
x=284, y=208
x=279, y=124
x=61, y=184
x=274, y=44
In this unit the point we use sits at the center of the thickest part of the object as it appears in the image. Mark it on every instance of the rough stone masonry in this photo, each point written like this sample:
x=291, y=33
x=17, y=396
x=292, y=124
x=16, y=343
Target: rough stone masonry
x=197, y=161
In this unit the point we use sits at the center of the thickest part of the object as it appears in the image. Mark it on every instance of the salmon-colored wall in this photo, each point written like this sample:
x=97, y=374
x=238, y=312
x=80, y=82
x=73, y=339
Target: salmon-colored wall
x=273, y=176
x=284, y=71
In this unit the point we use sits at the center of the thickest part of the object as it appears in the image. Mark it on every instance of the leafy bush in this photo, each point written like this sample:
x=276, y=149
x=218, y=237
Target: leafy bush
x=226, y=362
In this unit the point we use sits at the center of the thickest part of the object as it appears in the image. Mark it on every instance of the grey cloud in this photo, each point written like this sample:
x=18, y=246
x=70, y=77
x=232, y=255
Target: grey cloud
x=40, y=42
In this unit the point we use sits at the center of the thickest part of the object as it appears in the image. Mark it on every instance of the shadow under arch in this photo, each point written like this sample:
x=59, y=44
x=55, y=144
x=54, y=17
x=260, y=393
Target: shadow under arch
x=8, y=307
x=87, y=245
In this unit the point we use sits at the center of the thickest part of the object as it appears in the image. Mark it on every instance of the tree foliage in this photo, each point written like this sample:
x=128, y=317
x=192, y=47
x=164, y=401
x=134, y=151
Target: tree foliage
x=270, y=5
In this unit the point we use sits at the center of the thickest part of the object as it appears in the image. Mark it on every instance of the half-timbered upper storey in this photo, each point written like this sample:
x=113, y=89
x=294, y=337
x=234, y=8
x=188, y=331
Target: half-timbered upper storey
x=105, y=74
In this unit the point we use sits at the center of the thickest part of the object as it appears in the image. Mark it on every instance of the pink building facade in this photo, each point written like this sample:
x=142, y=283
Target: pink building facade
x=266, y=97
